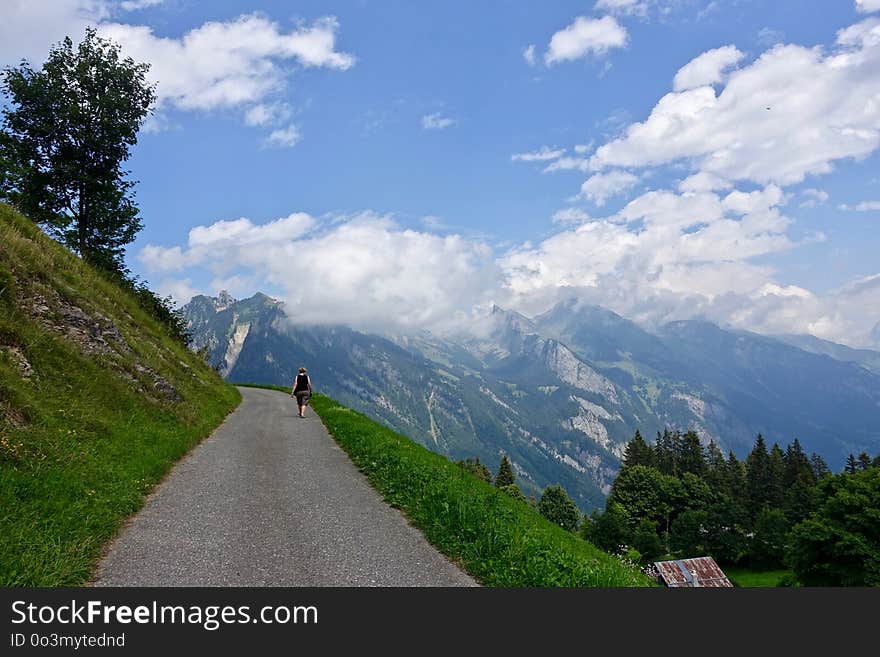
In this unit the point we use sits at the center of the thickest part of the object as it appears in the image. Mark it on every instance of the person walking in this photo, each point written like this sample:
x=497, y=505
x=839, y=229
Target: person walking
x=302, y=390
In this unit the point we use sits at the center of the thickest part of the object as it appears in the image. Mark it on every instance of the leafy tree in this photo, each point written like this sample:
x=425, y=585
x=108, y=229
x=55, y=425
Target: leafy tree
x=646, y=540
x=638, y=452
x=476, y=468
x=696, y=493
x=558, y=508
x=725, y=525
x=505, y=473
x=876, y=462
x=646, y=493
x=65, y=136
x=839, y=545
x=688, y=533
x=768, y=542
x=609, y=530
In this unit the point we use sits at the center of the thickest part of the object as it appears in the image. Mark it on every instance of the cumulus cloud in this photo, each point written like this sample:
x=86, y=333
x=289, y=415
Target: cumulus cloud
x=365, y=271
x=793, y=112
x=706, y=69
x=703, y=182
x=543, y=154
x=601, y=186
x=814, y=197
x=263, y=114
x=437, y=121
x=529, y=55
x=867, y=6
x=284, y=137
x=29, y=28
x=228, y=64
x=625, y=7
x=585, y=36
x=668, y=256
x=868, y=206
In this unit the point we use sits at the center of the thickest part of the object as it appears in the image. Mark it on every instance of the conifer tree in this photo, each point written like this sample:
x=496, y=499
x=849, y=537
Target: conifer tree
x=690, y=455
x=797, y=466
x=758, y=478
x=851, y=465
x=775, y=478
x=638, y=452
x=505, y=473
x=820, y=468
x=864, y=461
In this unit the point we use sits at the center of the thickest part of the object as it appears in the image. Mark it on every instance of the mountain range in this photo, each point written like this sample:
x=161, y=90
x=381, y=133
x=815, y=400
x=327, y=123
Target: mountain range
x=561, y=393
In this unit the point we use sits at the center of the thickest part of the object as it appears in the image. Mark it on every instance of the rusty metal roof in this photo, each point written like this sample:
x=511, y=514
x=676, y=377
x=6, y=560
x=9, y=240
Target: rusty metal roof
x=698, y=572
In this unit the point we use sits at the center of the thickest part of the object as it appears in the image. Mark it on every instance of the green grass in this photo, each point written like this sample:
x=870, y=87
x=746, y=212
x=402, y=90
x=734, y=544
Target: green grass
x=746, y=578
x=83, y=440
x=500, y=541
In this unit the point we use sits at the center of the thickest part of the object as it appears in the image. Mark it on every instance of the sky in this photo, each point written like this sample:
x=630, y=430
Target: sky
x=403, y=166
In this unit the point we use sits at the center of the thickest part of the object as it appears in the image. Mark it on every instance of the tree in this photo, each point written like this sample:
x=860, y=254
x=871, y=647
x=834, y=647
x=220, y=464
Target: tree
x=690, y=455
x=776, y=477
x=558, y=508
x=839, y=545
x=851, y=465
x=476, y=468
x=505, y=473
x=820, y=468
x=646, y=493
x=768, y=542
x=646, y=540
x=864, y=461
x=65, y=136
x=688, y=534
x=638, y=452
x=609, y=530
x=758, y=477
x=514, y=491
x=797, y=466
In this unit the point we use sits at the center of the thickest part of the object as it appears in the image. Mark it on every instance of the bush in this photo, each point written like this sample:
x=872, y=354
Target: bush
x=558, y=508
x=514, y=491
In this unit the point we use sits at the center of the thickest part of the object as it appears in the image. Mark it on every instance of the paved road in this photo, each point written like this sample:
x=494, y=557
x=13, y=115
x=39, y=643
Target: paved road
x=270, y=500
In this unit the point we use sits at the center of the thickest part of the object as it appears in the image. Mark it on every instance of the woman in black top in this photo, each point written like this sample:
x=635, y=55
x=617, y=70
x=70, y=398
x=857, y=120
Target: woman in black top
x=302, y=390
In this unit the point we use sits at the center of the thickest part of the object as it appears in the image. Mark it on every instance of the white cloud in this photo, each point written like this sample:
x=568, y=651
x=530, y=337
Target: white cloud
x=284, y=137
x=134, y=5
x=703, y=182
x=814, y=197
x=264, y=114
x=570, y=216
x=867, y=6
x=228, y=64
x=868, y=206
x=529, y=55
x=585, y=36
x=599, y=187
x=625, y=7
x=707, y=68
x=436, y=121
x=568, y=164
x=365, y=271
x=792, y=113
x=181, y=290
x=544, y=154
x=29, y=28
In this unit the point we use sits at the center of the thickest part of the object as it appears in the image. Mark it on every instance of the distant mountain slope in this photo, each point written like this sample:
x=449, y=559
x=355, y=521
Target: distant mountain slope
x=96, y=403
x=867, y=358
x=562, y=393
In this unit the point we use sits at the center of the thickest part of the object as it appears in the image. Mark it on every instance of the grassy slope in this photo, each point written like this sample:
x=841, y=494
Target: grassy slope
x=756, y=578
x=498, y=540
x=81, y=443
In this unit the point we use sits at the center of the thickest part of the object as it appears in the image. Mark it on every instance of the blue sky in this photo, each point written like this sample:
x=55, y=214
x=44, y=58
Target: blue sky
x=428, y=159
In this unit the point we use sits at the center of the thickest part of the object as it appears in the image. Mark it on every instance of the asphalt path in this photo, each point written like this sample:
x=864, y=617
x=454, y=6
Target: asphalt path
x=269, y=499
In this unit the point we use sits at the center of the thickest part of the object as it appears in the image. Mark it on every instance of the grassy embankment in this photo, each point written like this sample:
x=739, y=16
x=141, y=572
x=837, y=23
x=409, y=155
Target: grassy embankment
x=498, y=540
x=84, y=433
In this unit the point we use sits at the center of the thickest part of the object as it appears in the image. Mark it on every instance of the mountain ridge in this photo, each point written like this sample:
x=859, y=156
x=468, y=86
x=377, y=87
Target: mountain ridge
x=560, y=393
